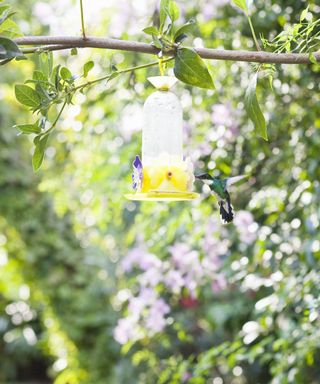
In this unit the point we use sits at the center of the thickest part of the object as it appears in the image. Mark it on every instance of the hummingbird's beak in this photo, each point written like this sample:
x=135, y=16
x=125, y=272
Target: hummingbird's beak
x=202, y=176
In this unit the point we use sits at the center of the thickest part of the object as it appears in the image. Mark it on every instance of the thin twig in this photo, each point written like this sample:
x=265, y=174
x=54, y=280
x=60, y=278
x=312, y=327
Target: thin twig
x=42, y=48
x=67, y=42
x=55, y=121
x=82, y=21
x=98, y=80
x=106, y=77
x=253, y=33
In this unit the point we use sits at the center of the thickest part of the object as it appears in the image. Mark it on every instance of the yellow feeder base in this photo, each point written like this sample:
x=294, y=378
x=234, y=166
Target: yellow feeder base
x=162, y=196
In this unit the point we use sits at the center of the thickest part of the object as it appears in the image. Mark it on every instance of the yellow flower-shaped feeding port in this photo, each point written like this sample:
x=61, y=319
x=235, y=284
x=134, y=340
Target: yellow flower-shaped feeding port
x=164, y=178
x=170, y=182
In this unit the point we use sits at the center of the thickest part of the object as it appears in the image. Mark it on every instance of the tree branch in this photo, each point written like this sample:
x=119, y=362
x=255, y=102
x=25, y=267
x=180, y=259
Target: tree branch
x=66, y=42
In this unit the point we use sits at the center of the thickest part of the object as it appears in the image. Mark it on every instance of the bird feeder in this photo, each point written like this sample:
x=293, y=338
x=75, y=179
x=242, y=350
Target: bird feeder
x=162, y=173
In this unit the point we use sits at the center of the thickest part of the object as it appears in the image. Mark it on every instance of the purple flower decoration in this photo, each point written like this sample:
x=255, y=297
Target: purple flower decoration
x=137, y=174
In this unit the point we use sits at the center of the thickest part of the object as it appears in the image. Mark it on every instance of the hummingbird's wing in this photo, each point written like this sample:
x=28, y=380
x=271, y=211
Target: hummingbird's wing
x=235, y=179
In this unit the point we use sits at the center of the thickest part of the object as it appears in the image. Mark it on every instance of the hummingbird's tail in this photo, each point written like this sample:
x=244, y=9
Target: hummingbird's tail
x=226, y=211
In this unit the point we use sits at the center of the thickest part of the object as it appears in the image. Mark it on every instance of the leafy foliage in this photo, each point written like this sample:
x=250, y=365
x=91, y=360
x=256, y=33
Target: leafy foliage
x=298, y=37
x=242, y=4
x=189, y=68
x=55, y=85
x=87, y=68
x=8, y=30
x=27, y=96
x=8, y=49
x=253, y=108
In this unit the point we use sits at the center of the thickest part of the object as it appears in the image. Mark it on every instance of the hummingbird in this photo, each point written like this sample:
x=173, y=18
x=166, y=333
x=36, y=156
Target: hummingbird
x=220, y=188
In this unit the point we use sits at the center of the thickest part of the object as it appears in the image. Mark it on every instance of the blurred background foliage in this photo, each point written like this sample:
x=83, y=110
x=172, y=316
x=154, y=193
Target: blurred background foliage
x=97, y=289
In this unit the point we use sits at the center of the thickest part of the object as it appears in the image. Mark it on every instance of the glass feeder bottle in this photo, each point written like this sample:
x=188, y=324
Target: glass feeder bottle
x=163, y=173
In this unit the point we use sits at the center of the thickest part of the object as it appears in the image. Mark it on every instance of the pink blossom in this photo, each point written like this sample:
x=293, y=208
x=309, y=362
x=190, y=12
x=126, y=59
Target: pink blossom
x=186, y=376
x=135, y=307
x=219, y=283
x=214, y=250
x=225, y=118
x=178, y=250
x=210, y=8
x=212, y=228
x=221, y=115
x=155, y=320
x=174, y=281
x=126, y=330
x=183, y=257
x=191, y=284
x=155, y=323
x=150, y=277
x=139, y=257
x=148, y=295
x=187, y=262
x=205, y=149
x=213, y=246
x=160, y=307
x=246, y=226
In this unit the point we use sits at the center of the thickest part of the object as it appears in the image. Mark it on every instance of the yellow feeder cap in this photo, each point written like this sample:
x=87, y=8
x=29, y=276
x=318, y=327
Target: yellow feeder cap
x=162, y=196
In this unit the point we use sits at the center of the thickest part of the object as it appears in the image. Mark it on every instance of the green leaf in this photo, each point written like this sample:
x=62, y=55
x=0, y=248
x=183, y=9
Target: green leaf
x=65, y=73
x=184, y=29
x=41, y=88
x=55, y=77
x=74, y=52
x=313, y=58
x=191, y=69
x=38, y=75
x=38, y=155
x=28, y=128
x=21, y=58
x=5, y=61
x=163, y=13
x=253, y=108
x=304, y=14
x=157, y=42
x=6, y=14
x=151, y=31
x=173, y=11
x=113, y=75
x=8, y=49
x=87, y=68
x=242, y=4
x=27, y=95
x=3, y=10
x=180, y=38
x=45, y=63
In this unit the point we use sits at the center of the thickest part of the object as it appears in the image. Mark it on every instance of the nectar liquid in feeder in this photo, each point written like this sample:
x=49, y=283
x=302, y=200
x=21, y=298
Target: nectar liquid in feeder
x=163, y=173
